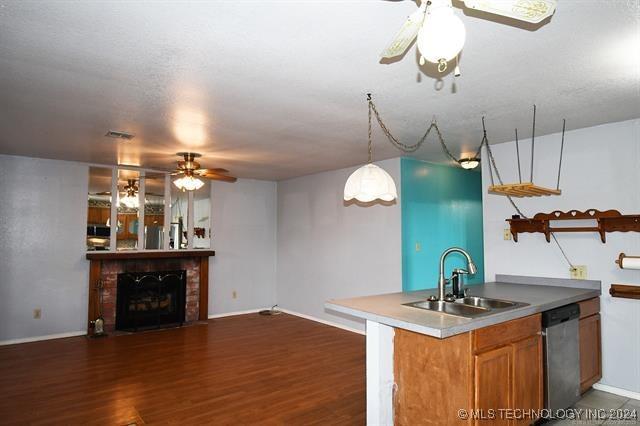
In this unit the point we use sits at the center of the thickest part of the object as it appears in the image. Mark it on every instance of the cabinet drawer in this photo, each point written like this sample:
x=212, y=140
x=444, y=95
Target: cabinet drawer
x=507, y=332
x=589, y=307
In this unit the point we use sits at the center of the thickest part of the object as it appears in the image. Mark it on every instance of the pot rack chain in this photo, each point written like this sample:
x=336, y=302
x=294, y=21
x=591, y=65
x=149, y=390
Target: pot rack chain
x=492, y=160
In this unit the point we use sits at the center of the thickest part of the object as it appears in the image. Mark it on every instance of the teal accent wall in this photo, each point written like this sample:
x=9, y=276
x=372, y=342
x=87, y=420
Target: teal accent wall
x=441, y=208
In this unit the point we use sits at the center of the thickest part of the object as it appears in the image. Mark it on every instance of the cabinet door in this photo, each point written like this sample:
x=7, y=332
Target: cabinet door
x=590, y=351
x=105, y=214
x=527, y=380
x=153, y=220
x=93, y=216
x=493, y=378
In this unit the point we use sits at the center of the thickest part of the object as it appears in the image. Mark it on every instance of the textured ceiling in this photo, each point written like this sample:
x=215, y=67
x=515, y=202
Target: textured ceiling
x=276, y=89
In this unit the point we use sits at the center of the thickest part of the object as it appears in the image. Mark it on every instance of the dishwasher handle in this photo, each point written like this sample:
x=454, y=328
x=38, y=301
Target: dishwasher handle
x=560, y=315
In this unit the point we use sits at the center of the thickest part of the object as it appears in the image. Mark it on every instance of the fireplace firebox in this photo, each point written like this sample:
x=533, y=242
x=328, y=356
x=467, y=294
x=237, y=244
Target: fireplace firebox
x=147, y=300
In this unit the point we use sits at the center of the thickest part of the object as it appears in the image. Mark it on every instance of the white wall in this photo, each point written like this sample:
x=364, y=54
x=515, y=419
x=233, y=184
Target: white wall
x=43, y=220
x=600, y=170
x=244, y=238
x=43, y=217
x=327, y=250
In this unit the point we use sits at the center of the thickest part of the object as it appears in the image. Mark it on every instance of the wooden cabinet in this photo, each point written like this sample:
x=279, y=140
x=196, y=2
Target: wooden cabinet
x=590, y=344
x=127, y=226
x=154, y=219
x=98, y=215
x=493, y=368
x=527, y=385
x=511, y=374
x=493, y=381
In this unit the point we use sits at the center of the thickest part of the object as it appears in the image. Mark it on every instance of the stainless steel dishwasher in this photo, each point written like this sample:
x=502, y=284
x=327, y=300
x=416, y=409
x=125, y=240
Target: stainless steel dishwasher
x=561, y=357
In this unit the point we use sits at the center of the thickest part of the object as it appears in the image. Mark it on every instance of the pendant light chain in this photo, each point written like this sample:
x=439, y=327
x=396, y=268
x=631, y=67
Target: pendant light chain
x=405, y=147
x=370, y=150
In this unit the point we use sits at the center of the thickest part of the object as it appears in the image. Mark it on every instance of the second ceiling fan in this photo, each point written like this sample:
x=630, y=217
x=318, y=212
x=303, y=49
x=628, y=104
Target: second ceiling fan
x=190, y=172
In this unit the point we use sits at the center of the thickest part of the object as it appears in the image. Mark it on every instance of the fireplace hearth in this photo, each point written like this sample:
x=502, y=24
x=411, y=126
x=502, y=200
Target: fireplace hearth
x=105, y=268
x=148, y=300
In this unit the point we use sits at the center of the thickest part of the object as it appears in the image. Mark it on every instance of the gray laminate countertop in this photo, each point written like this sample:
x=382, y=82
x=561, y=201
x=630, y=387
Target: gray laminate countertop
x=389, y=308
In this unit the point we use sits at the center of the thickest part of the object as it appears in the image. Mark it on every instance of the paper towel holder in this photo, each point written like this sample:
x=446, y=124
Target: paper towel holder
x=625, y=291
x=621, y=256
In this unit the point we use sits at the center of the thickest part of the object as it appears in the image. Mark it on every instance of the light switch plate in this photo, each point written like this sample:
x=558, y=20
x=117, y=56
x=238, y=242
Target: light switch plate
x=507, y=234
x=37, y=313
x=418, y=247
x=578, y=272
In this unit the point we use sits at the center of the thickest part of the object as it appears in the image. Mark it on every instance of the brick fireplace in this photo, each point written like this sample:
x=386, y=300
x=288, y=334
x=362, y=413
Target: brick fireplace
x=106, y=267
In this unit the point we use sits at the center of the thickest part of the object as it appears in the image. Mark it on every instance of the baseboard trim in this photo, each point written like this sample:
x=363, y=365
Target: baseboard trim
x=39, y=338
x=332, y=324
x=617, y=391
x=234, y=313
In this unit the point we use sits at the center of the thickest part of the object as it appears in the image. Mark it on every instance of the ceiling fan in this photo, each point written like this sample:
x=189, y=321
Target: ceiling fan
x=130, y=189
x=441, y=34
x=190, y=171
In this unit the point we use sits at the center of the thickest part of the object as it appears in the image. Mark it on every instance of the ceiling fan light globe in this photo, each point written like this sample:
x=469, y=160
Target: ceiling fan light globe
x=188, y=183
x=130, y=201
x=370, y=183
x=441, y=36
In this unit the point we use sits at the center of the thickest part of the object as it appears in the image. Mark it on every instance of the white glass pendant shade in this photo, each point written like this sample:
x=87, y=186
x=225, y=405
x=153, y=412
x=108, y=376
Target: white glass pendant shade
x=370, y=183
x=442, y=35
x=188, y=183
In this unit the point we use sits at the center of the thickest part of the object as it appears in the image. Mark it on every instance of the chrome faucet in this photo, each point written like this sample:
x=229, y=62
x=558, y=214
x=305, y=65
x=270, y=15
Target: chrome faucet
x=442, y=281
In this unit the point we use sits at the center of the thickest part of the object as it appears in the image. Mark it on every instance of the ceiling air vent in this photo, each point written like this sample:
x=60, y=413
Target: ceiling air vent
x=119, y=135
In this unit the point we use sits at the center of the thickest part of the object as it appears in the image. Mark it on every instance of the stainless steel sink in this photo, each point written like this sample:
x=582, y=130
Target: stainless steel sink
x=468, y=307
x=451, y=308
x=483, y=302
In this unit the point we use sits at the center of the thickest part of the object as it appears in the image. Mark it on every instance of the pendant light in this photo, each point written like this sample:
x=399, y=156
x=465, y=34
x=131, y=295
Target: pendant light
x=370, y=182
x=469, y=163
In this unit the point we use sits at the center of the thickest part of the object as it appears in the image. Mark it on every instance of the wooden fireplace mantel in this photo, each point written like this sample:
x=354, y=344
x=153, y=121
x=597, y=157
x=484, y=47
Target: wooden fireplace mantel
x=95, y=270
x=125, y=255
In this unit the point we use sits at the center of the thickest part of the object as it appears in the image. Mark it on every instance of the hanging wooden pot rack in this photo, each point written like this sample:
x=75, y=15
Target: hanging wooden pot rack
x=607, y=221
x=528, y=189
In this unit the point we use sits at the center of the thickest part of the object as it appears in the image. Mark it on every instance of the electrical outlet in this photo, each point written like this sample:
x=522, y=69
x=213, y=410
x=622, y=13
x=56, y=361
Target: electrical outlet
x=578, y=272
x=37, y=313
x=507, y=234
x=234, y=295
x=418, y=247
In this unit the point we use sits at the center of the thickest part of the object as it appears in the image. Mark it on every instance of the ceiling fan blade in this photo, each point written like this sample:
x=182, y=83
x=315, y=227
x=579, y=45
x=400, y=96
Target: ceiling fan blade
x=215, y=176
x=522, y=10
x=219, y=170
x=102, y=193
x=177, y=172
x=406, y=34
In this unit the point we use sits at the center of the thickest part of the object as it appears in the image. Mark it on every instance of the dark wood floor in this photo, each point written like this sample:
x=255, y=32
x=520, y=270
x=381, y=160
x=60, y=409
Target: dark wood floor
x=247, y=369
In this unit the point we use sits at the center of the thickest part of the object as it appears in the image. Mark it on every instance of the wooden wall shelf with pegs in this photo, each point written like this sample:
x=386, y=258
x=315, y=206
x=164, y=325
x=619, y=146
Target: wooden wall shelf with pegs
x=606, y=221
x=526, y=189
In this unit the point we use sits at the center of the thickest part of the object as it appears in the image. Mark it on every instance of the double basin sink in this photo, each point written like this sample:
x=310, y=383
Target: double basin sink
x=467, y=307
